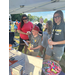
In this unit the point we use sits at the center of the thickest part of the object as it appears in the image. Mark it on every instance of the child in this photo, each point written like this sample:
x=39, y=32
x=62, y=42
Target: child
x=35, y=40
x=46, y=35
x=15, y=27
x=58, y=37
x=10, y=27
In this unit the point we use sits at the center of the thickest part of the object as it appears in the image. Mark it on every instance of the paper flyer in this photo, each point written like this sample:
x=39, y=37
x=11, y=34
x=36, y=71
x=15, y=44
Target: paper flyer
x=25, y=42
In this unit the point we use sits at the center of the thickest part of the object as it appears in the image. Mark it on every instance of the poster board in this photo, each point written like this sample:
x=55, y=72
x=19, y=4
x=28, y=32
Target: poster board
x=32, y=65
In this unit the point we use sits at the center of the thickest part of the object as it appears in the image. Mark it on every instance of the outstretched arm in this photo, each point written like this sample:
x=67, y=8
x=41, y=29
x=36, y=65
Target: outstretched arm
x=56, y=43
x=35, y=47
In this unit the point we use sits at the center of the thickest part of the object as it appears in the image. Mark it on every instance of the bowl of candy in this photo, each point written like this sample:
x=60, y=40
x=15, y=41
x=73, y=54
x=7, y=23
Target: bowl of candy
x=51, y=67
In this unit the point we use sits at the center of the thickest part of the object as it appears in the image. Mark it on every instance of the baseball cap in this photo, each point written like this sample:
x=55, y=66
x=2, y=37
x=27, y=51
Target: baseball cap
x=36, y=28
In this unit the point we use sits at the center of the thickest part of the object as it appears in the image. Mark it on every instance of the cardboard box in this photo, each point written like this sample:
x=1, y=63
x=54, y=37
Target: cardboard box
x=18, y=70
x=31, y=65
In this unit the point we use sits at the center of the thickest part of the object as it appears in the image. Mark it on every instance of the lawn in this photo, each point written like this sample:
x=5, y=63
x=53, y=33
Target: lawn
x=62, y=62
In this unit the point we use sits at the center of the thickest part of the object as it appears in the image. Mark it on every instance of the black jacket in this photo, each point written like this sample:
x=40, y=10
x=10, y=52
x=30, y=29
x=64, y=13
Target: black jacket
x=40, y=27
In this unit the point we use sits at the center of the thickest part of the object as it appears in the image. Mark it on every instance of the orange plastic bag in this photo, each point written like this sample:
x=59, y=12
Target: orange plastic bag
x=38, y=56
x=10, y=46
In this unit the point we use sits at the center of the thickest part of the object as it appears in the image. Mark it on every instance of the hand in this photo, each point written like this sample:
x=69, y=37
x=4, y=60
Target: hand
x=27, y=33
x=51, y=42
x=40, y=34
x=31, y=48
x=28, y=42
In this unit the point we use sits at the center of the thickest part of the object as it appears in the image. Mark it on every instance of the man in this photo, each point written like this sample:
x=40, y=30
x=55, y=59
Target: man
x=40, y=25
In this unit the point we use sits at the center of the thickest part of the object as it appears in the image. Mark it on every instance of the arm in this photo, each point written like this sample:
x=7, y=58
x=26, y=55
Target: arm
x=35, y=48
x=42, y=37
x=19, y=31
x=40, y=34
x=56, y=43
x=28, y=42
x=59, y=42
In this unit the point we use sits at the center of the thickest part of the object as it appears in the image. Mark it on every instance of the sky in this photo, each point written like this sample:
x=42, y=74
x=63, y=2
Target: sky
x=48, y=14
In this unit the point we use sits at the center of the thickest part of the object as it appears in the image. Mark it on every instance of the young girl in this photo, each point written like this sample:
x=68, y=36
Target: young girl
x=15, y=27
x=46, y=35
x=58, y=37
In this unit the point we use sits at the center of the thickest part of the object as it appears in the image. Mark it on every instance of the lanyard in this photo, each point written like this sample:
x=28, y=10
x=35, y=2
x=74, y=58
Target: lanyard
x=53, y=33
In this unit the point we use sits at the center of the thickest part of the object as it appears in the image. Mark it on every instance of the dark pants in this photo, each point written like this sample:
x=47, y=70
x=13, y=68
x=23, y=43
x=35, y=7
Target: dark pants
x=11, y=38
x=21, y=46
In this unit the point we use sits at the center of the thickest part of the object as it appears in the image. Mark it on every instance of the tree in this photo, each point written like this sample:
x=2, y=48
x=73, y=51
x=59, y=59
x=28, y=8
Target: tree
x=30, y=17
x=40, y=16
x=33, y=18
x=16, y=16
x=51, y=19
x=45, y=20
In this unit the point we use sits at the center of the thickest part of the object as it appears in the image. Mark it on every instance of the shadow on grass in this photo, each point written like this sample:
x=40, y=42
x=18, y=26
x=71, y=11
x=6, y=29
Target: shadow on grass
x=16, y=34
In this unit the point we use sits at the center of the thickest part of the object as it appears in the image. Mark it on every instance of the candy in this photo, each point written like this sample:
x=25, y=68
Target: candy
x=45, y=65
x=48, y=74
x=53, y=67
x=59, y=68
x=48, y=70
x=53, y=70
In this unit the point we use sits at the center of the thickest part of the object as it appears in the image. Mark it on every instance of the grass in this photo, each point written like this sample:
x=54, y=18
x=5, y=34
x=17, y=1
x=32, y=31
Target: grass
x=62, y=62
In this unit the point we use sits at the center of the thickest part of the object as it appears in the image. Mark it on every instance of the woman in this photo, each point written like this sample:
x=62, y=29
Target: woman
x=23, y=27
x=58, y=37
x=46, y=35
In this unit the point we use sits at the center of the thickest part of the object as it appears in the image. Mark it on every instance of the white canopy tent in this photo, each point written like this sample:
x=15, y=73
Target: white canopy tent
x=25, y=6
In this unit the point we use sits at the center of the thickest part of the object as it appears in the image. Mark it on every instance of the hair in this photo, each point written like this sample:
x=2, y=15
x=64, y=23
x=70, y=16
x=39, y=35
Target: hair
x=60, y=14
x=15, y=23
x=22, y=23
x=50, y=25
x=41, y=20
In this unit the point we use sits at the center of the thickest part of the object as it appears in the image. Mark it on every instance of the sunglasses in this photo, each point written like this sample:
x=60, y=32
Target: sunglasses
x=56, y=17
x=25, y=19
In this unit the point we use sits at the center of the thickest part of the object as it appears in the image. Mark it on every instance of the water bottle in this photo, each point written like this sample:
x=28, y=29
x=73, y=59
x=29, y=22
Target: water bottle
x=29, y=32
x=50, y=46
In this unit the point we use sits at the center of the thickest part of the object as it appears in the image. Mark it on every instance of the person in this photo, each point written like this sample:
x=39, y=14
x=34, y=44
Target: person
x=23, y=27
x=10, y=27
x=11, y=40
x=35, y=40
x=40, y=25
x=15, y=27
x=58, y=37
x=17, y=23
x=46, y=35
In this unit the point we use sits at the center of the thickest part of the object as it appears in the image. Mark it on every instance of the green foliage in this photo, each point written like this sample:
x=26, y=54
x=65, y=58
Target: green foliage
x=51, y=19
x=16, y=16
x=45, y=20
x=31, y=18
x=40, y=16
